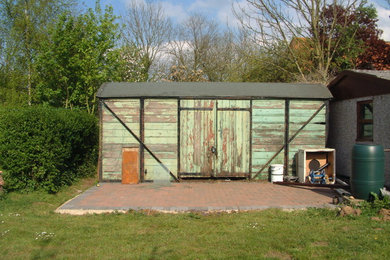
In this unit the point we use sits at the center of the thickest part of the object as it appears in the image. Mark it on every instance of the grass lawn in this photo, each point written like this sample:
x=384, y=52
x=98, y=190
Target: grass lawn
x=30, y=230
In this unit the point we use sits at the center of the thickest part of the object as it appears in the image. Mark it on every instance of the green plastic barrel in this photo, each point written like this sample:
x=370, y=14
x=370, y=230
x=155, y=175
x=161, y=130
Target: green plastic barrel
x=367, y=170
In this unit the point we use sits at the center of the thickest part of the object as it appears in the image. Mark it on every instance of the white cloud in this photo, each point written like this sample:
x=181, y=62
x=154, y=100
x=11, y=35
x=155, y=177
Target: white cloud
x=383, y=21
x=175, y=12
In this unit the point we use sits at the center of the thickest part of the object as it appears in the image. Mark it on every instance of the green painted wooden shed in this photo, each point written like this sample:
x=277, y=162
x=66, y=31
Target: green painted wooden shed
x=207, y=130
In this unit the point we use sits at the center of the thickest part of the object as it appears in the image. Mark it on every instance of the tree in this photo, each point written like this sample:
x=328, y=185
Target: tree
x=267, y=67
x=283, y=22
x=24, y=25
x=82, y=54
x=200, y=47
x=183, y=74
x=359, y=42
x=147, y=26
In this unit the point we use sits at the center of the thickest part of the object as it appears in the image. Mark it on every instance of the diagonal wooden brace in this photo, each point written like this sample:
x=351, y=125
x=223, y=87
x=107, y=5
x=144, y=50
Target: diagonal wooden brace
x=289, y=140
x=140, y=141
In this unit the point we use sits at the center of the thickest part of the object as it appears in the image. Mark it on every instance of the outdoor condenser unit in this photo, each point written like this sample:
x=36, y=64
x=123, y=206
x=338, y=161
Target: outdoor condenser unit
x=309, y=161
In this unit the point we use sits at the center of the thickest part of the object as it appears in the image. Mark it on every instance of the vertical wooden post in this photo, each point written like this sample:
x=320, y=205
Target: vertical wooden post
x=142, y=137
x=286, y=135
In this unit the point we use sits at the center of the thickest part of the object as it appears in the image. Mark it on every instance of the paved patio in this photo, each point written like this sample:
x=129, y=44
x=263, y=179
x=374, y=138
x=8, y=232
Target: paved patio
x=196, y=196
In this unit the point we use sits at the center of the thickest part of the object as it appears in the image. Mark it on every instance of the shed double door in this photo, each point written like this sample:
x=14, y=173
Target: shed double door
x=214, y=138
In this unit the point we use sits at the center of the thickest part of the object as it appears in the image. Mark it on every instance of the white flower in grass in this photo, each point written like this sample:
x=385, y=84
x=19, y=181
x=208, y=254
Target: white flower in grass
x=43, y=235
x=4, y=232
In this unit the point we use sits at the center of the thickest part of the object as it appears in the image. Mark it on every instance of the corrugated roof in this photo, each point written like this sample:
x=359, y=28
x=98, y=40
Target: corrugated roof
x=213, y=90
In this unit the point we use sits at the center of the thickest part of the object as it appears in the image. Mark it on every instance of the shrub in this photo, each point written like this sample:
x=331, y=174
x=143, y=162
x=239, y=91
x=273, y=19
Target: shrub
x=46, y=148
x=375, y=204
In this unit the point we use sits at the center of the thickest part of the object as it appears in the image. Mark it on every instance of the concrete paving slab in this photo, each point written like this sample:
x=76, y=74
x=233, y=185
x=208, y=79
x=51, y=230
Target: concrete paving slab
x=196, y=196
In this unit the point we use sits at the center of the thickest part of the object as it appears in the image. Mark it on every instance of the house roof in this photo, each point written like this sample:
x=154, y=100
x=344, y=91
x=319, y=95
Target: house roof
x=360, y=83
x=213, y=90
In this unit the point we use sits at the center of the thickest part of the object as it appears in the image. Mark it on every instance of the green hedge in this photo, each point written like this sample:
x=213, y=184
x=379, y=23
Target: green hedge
x=46, y=148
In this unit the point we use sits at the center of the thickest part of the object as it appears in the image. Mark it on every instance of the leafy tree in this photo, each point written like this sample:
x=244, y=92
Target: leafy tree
x=267, y=67
x=358, y=37
x=80, y=55
x=23, y=27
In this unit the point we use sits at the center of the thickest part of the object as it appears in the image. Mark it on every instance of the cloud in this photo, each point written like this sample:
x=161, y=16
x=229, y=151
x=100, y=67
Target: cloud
x=174, y=11
x=383, y=21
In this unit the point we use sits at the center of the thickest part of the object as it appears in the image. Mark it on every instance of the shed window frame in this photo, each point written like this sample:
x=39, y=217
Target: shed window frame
x=361, y=121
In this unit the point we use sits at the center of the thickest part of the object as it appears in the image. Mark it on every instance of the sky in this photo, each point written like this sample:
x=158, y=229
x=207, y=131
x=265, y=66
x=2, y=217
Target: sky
x=221, y=10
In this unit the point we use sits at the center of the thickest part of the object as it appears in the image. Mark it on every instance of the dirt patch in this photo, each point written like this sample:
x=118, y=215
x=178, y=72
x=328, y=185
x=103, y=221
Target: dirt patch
x=320, y=243
x=278, y=255
x=385, y=214
x=345, y=228
x=1, y=179
x=348, y=210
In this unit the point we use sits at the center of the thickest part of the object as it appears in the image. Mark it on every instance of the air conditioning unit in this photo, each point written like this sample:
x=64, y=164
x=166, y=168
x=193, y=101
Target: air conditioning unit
x=317, y=165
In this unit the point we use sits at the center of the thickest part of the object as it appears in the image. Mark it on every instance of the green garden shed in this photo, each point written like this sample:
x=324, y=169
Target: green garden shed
x=206, y=130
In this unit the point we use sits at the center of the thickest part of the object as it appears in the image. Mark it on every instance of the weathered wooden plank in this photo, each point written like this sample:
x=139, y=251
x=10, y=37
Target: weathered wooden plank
x=112, y=176
x=233, y=104
x=151, y=166
x=313, y=135
x=267, y=104
x=161, y=119
x=197, y=136
x=112, y=168
x=158, y=104
x=309, y=128
x=111, y=153
x=268, y=112
x=159, y=133
x=267, y=126
x=163, y=147
x=302, y=119
x=123, y=111
x=130, y=118
x=307, y=105
x=259, y=141
x=163, y=155
x=266, y=147
x=120, y=103
x=117, y=126
x=112, y=161
x=161, y=140
x=120, y=139
x=268, y=119
x=233, y=142
x=197, y=103
x=159, y=126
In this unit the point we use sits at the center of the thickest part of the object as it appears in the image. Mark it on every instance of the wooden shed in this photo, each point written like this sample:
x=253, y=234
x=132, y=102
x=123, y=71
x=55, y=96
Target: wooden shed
x=206, y=130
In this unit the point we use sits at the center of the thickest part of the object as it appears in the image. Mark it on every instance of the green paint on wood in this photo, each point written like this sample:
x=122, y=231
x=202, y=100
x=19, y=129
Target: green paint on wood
x=268, y=125
x=215, y=143
x=115, y=136
x=160, y=136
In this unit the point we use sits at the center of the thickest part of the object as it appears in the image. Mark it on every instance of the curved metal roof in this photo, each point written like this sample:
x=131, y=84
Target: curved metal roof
x=242, y=90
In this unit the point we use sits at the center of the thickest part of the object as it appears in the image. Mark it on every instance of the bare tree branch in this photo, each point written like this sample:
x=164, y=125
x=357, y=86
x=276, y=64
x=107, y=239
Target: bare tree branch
x=147, y=26
x=295, y=25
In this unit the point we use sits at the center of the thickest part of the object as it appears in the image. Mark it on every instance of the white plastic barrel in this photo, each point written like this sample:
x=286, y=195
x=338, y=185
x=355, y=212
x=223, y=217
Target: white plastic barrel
x=276, y=172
